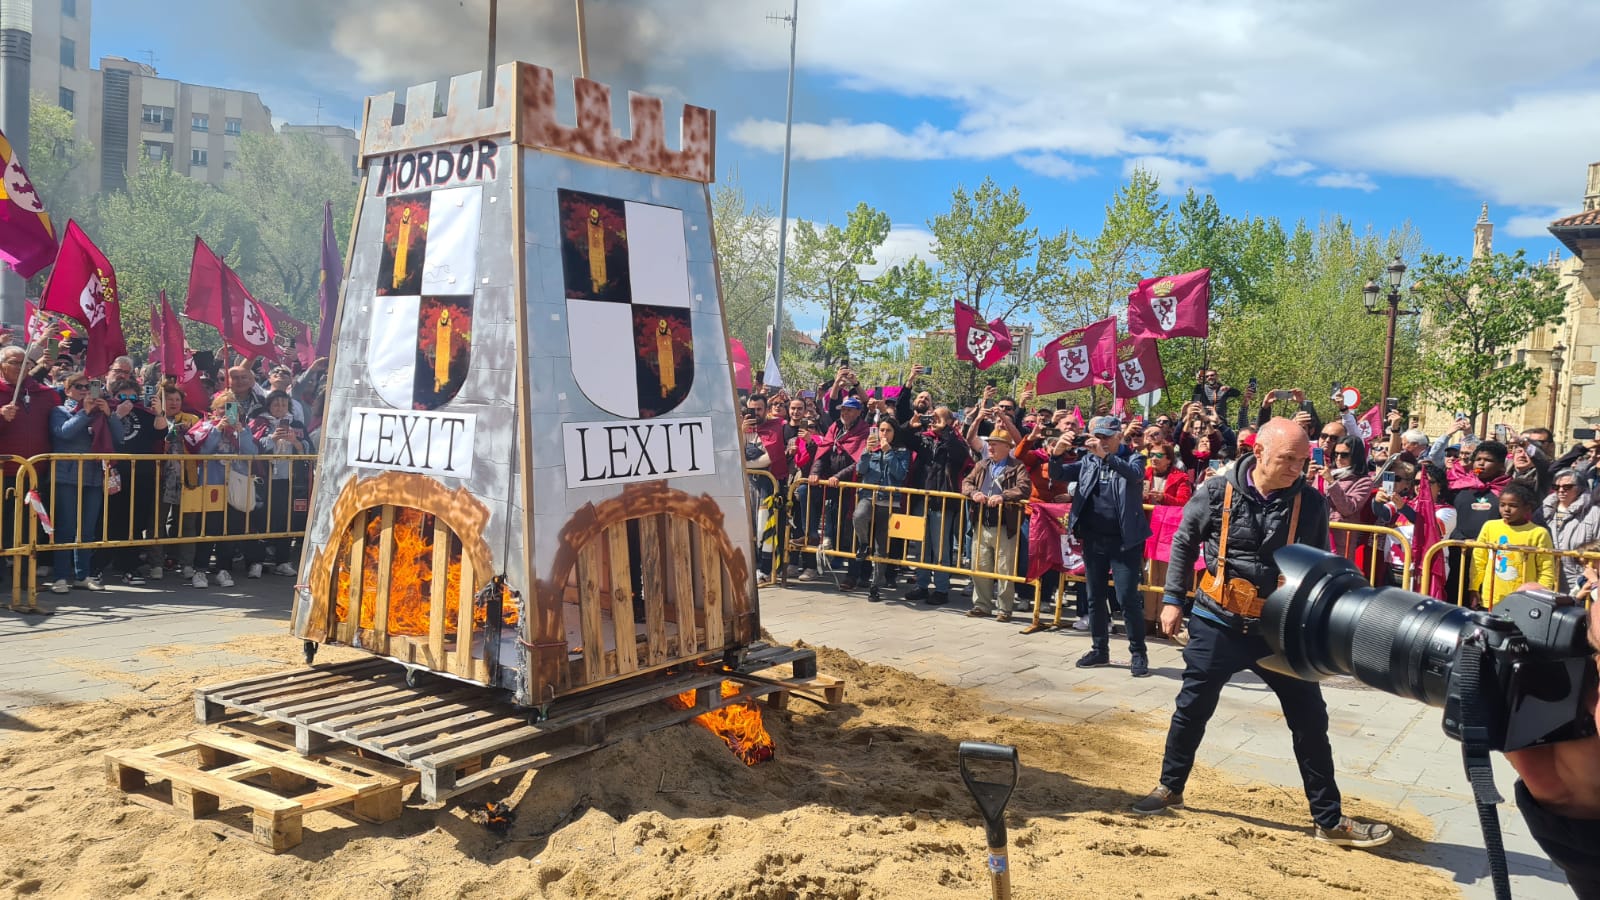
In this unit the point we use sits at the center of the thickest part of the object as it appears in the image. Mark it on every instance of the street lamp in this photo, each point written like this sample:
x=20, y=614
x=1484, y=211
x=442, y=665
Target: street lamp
x=1556, y=358
x=1391, y=308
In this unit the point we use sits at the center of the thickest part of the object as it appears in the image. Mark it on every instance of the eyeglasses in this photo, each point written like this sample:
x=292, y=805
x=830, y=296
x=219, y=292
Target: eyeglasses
x=77, y=387
x=128, y=397
x=1341, y=454
x=1566, y=487
x=1158, y=456
x=1329, y=437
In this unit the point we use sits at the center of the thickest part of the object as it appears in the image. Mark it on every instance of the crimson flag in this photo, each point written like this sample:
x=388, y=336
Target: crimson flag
x=1171, y=306
x=292, y=336
x=1077, y=417
x=1371, y=423
x=27, y=237
x=1138, y=368
x=1079, y=358
x=1045, y=531
x=331, y=273
x=177, y=360
x=742, y=379
x=981, y=344
x=84, y=286
x=218, y=298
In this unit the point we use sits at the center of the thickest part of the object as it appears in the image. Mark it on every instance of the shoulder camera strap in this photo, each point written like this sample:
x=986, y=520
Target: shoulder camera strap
x=1222, y=544
x=1475, y=756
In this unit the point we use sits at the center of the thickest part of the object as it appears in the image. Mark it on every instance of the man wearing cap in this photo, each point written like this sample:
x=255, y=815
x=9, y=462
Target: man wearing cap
x=994, y=486
x=1108, y=517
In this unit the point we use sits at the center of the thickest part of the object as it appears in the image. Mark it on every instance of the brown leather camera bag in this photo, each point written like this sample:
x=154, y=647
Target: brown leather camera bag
x=1237, y=595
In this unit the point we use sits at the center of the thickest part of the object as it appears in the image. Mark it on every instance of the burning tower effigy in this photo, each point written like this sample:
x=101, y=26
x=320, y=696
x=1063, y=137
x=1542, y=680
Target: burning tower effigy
x=530, y=472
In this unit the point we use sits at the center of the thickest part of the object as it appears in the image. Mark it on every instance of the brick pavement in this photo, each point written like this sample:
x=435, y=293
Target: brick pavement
x=1388, y=750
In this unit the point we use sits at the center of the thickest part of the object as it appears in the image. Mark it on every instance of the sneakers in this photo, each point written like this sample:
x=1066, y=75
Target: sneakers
x=60, y=586
x=1350, y=833
x=225, y=578
x=791, y=571
x=939, y=598
x=90, y=584
x=198, y=579
x=1140, y=666
x=132, y=579
x=156, y=573
x=284, y=568
x=1081, y=624
x=187, y=572
x=848, y=585
x=1094, y=659
x=807, y=575
x=1159, y=801
x=916, y=595
x=253, y=572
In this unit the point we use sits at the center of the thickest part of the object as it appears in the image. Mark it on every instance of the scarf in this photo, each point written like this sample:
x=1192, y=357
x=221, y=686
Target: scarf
x=1460, y=477
x=1425, y=533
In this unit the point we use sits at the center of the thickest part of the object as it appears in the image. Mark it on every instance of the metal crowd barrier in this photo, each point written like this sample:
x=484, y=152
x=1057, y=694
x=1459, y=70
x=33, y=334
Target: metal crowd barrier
x=768, y=521
x=1493, y=553
x=48, y=494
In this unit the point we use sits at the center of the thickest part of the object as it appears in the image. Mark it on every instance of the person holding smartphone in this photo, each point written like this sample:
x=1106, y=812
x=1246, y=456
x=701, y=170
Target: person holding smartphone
x=222, y=433
x=77, y=426
x=131, y=512
x=278, y=432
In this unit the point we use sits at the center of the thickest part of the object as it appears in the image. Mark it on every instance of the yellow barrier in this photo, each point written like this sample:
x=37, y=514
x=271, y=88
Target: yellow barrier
x=1464, y=584
x=16, y=537
x=769, y=519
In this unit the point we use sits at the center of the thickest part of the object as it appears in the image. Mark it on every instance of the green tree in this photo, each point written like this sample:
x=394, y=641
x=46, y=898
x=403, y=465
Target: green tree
x=861, y=317
x=747, y=258
x=989, y=258
x=275, y=201
x=1477, y=310
x=148, y=233
x=57, y=161
x=1127, y=249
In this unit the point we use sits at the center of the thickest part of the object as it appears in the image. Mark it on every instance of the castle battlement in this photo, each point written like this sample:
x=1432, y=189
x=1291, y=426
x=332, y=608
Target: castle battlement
x=525, y=108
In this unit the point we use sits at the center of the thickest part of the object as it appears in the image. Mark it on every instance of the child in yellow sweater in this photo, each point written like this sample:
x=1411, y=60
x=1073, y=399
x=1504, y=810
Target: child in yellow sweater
x=1511, y=568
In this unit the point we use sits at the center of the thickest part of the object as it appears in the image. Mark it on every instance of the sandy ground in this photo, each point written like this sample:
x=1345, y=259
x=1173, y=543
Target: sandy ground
x=861, y=802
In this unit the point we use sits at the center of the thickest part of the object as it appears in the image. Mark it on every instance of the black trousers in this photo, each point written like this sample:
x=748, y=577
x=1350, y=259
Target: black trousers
x=1213, y=657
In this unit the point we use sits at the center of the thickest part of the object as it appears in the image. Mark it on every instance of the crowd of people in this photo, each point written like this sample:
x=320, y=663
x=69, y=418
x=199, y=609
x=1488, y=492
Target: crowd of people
x=1510, y=489
x=167, y=513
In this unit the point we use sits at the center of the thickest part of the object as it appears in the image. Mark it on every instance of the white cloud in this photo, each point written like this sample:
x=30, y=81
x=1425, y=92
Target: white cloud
x=1051, y=165
x=1293, y=169
x=1357, y=181
x=1176, y=176
x=903, y=243
x=1536, y=224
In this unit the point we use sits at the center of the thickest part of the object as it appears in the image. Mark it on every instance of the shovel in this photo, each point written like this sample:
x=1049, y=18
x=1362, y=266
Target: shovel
x=992, y=797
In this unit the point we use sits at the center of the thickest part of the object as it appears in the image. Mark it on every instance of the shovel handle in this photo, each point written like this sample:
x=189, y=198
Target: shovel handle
x=993, y=752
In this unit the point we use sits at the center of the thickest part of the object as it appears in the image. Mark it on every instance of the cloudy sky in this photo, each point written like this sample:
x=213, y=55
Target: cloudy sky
x=1379, y=111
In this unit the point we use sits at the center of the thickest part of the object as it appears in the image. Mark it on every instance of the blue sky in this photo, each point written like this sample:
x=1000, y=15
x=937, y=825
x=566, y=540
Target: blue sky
x=1382, y=113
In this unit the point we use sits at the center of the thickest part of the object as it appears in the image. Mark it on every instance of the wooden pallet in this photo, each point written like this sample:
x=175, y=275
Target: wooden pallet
x=460, y=736
x=228, y=768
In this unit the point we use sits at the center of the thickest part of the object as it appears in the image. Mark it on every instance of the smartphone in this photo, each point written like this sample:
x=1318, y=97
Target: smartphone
x=1318, y=458
x=97, y=390
x=922, y=370
x=232, y=413
x=808, y=395
x=52, y=348
x=1500, y=433
x=1389, y=483
x=1214, y=465
x=990, y=384
x=1282, y=396
x=1391, y=404
x=1061, y=403
x=1252, y=384
x=1583, y=434
x=149, y=395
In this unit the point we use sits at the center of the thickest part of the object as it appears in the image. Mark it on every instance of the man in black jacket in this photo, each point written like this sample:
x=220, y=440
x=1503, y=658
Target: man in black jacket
x=1238, y=522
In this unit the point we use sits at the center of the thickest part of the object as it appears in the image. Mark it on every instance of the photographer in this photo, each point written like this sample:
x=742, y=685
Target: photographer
x=278, y=431
x=1108, y=517
x=131, y=512
x=1559, y=796
x=1237, y=522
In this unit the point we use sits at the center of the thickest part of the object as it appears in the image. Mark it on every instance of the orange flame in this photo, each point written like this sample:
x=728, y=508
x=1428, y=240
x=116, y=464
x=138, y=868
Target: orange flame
x=410, y=576
x=738, y=724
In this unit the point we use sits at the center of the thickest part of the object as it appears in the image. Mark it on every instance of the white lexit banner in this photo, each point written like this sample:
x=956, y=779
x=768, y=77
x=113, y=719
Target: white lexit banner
x=618, y=452
x=429, y=443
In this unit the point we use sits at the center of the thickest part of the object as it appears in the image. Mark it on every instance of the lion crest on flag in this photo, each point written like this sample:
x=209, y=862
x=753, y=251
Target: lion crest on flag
x=980, y=340
x=1131, y=369
x=1074, y=363
x=1164, y=305
x=93, y=300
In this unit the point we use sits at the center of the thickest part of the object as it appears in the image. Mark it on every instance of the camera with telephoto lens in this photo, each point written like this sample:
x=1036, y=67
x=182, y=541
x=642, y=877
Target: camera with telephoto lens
x=1525, y=683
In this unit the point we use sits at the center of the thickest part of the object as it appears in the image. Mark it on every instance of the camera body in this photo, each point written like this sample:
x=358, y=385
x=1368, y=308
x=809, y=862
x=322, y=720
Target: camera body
x=1533, y=669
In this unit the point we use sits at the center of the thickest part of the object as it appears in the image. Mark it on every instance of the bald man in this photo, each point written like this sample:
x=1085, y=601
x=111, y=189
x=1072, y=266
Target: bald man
x=1262, y=504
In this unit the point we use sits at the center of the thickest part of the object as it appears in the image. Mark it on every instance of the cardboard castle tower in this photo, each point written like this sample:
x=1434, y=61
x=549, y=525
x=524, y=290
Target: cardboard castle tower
x=531, y=472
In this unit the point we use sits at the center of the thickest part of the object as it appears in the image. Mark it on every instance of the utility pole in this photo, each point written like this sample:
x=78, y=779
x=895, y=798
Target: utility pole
x=488, y=64
x=583, y=44
x=16, y=57
x=783, y=198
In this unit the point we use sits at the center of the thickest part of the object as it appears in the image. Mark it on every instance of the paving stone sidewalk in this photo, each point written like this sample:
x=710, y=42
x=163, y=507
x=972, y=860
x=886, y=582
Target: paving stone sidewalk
x=1388, y=750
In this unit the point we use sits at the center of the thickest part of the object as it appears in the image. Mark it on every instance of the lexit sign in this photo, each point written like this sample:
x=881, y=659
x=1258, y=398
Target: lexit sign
x=649, y=450
x=430, y=443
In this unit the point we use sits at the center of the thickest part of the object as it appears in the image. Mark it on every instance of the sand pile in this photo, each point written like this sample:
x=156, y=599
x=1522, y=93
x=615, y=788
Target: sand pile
x=861, y=802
